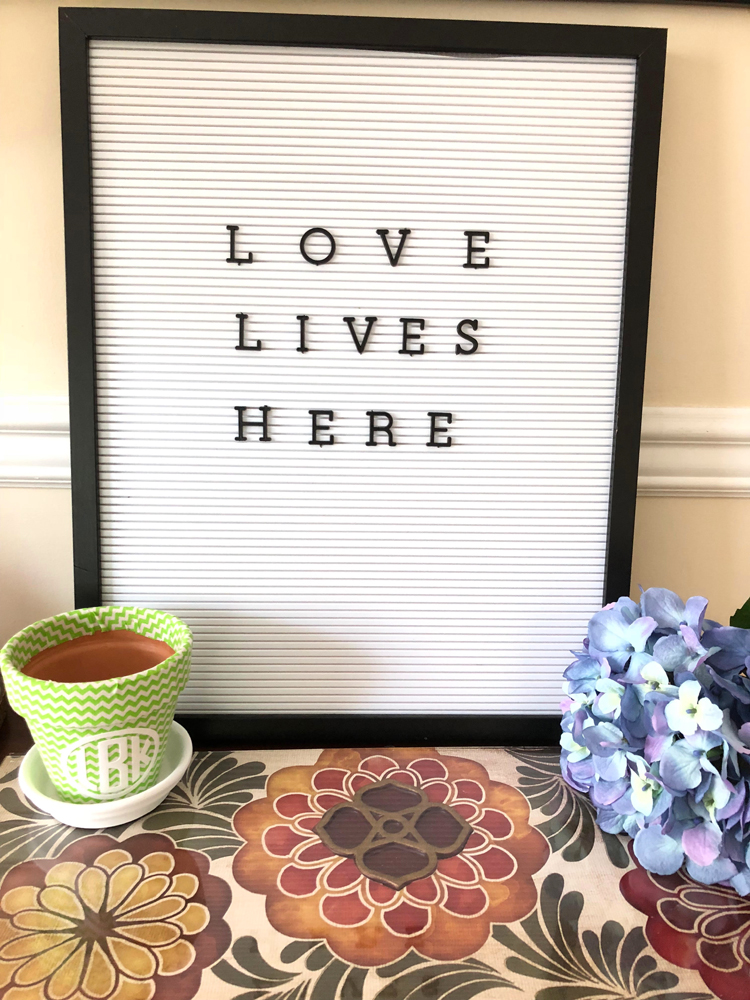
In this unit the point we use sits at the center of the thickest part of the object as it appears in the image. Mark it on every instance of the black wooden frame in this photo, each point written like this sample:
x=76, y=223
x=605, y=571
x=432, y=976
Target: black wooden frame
x=646, y=45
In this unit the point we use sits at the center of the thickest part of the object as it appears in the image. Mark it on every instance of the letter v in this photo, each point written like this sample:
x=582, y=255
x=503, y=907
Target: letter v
x=383, y=234
x=360, y=344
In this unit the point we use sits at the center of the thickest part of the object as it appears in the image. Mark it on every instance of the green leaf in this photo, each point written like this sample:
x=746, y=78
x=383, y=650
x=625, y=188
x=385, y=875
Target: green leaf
x=584, y=843
x=247, y=955
x=556, y=800
x=354, y=984
x=318, y=958
x=470, y=990
x=684, y=996
x=657, y=981
x=525, y=968
x=326, y=986
x=644, y=965
x=563, y=824
x=168, y=818
x=410, y=959
x=632, y=947
x=227, y=972
x=296, y=950
x=577, y=993
x=436, y=981
x=540, y=964
x=300, y=992
x=593, y=947
x=741, y=617
x=616, y=850
x=611, y=936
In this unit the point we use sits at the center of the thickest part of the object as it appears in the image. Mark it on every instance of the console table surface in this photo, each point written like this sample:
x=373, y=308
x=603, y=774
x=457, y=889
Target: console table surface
x=356, y=874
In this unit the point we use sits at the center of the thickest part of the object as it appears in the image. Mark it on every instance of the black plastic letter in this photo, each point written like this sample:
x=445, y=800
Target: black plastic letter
x=242, y=346
x=471, y=249
x=242, y=423
x=306, y=255
x=383, y=234
x=474, y=324
x=360, y=344
x=406, y=336
x=303, y=348
x=380, y=428
x=435, y=430
x=316, y=427
x=233, y=258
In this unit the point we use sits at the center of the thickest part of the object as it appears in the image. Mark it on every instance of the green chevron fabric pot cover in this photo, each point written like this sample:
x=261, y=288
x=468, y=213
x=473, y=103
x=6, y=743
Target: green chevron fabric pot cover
x=99, y=740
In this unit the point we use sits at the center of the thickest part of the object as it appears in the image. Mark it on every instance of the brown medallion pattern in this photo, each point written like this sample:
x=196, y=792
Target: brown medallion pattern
x=393, y=832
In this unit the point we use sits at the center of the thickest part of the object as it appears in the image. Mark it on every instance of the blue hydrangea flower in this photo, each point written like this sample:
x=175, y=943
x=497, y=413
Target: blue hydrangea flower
x=620, y=640
x=656, y=730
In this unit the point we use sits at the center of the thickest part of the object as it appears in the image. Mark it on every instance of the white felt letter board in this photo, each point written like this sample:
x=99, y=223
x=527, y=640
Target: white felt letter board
x=371, y=470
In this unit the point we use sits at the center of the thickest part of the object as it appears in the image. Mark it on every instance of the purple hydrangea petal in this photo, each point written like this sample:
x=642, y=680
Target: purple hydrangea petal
x=655, y=747
x=630, y=705
x=702, y=740
x=658, y=852
x=662, y=802
x=733, y=643
x=611, y=768
x=604, y=793
x=609, y=821
x=628, y=609
x=719, y=871
x=740, y=691
x=741, y=882
x=663, y=605
x=672, y=652
x=695, y=609
x=680, y=767
x=702, y=843
x=603, y=739
x=579, y=774
x=639, y=632
x=632, y=824
x=658, y=719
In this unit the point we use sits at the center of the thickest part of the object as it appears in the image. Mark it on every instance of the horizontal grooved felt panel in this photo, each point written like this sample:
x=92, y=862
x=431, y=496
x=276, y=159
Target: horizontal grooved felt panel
x=343, y=577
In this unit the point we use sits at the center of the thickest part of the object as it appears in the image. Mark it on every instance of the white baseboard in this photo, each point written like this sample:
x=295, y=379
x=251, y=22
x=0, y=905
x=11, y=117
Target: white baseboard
x=34, y=441
x=685, y=451
x=695, y=452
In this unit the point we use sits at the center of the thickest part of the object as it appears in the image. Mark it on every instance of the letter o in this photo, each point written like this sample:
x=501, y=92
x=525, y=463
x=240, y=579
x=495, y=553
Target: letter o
x=306, y=255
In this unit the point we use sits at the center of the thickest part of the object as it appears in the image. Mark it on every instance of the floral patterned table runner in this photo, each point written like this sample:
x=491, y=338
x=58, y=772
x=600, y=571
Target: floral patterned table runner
x=356, y=874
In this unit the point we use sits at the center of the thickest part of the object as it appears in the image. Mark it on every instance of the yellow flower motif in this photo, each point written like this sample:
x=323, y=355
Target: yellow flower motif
x=100, y=931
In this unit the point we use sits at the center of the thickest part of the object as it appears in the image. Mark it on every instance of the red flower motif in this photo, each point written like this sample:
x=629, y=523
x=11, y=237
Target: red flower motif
x=313, y=892
x=695, y=926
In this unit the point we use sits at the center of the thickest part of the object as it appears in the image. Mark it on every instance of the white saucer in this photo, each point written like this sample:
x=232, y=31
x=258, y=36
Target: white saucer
x=36, y=786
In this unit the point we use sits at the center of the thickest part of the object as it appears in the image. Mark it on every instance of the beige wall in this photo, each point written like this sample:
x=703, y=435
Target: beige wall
x=700, y=311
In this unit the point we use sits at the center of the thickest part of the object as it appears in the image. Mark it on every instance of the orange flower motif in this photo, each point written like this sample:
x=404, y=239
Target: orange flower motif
x=314, y=892
x=111, y=920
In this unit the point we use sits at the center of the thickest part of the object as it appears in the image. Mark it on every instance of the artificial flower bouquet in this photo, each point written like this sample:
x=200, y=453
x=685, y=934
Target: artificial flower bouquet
x=656, y=730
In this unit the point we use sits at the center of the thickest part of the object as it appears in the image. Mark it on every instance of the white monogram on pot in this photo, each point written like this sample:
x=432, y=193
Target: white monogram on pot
x=109, y=765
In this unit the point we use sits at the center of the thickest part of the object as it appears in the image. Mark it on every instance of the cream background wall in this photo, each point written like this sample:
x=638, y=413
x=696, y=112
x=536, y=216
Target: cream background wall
x=700, y=306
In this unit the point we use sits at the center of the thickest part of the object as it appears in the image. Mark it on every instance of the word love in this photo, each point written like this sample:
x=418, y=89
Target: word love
x=380, y=427
x=411, y=334
x=318, y=246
